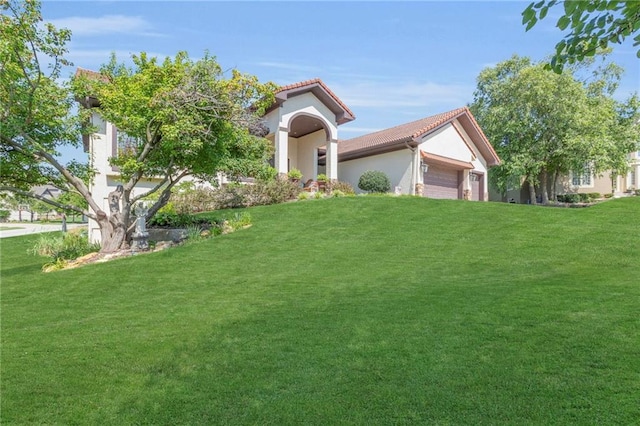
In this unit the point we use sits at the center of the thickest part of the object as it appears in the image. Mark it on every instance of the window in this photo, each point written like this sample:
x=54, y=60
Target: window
x=100, y=126
x=126, y=144
x=632, y=178
x=582, y=178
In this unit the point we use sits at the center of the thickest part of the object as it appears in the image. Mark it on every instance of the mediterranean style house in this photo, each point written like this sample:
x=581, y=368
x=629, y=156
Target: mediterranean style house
x=443, y=156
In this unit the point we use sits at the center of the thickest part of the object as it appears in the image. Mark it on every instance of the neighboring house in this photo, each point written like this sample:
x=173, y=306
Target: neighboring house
x=24, y=212
x=582, y=183
x=443, y=156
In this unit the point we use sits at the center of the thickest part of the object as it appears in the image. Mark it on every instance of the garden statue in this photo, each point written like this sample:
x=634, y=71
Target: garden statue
x=140, y=235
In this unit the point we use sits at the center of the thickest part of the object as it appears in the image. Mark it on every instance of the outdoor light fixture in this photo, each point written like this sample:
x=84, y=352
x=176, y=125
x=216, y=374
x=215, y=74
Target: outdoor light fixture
x=424, y=167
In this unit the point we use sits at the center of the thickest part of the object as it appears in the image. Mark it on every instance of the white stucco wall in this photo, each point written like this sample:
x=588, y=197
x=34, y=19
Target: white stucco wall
x=397, y=165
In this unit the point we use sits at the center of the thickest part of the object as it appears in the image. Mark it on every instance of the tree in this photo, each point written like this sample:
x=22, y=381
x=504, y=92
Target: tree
x=182, y=118
x=593, y=26
x=545, y=125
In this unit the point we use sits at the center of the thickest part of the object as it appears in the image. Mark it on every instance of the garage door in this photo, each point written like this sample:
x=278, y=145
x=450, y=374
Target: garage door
x=441, y=183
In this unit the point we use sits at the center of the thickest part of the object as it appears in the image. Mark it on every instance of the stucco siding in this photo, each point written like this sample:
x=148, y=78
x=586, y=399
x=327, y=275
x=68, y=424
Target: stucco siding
x=447, y=142
x=397, y=165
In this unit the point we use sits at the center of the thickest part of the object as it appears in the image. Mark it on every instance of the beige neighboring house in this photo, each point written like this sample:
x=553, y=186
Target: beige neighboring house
x=442, y=156
x=583, y=183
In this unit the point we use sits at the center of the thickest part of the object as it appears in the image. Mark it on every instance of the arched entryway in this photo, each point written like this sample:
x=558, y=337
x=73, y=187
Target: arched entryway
x=307, y=144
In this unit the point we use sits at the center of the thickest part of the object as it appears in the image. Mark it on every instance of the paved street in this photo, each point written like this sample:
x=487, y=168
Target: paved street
x=32, y=228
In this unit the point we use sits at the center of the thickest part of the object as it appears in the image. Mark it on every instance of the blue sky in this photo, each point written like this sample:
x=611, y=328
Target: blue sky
x=390, y=62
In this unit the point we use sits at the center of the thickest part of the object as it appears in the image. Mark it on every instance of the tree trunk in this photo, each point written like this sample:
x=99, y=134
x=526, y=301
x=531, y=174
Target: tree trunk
x=543, y=184
x=554, y=188
x=532, y=192
x=113, y=228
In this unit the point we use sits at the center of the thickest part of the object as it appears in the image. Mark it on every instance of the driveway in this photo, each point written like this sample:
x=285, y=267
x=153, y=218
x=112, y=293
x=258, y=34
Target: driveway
x=32, y=228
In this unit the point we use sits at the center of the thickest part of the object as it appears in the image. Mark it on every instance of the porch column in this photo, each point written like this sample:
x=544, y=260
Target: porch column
x=332, y=159
x=282, y=150
x=466, y=184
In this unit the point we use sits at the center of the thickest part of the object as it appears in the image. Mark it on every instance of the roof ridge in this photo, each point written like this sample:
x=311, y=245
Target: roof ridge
x=319, y=81
x=457, y=110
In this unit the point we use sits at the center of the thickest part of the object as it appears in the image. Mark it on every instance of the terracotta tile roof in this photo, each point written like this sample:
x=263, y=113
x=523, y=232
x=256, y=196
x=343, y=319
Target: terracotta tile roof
x=398, y=134
x=91, y=75
x=324, y=86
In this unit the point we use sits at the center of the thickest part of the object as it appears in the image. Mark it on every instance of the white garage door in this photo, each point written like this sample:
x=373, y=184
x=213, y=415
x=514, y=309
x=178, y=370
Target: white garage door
x=441, y=183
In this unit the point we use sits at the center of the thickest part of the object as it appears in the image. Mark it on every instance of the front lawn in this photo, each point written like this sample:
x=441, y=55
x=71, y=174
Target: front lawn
x=364, y=310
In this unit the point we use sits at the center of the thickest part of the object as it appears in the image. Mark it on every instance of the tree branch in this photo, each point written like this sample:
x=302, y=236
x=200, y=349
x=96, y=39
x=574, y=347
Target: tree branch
x=74, y=181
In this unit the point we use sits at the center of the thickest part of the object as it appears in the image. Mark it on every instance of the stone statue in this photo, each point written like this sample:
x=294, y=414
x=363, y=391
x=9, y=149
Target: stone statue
x=140, y=236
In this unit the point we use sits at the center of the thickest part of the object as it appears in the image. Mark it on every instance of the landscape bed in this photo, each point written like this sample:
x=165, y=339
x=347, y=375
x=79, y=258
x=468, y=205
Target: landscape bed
x=361, y=310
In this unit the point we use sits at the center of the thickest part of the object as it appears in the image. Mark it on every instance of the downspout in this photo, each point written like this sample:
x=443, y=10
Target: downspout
x=415, y=166
x=412, y=189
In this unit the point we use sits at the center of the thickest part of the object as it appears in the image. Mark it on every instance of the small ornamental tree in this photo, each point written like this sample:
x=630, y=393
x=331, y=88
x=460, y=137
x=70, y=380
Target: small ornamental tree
x=374, y=181
x=182, y=118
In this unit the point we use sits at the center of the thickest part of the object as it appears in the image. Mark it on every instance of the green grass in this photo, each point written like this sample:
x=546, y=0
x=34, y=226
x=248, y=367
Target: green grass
x=365, y=310
x=9, y=228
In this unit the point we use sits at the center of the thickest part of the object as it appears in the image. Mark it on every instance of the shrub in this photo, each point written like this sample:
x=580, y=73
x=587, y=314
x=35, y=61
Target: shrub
x=193, y=200
x=4, y=215
x=337, y=193
x=608, y=195
x=240, y=220
x=594, y=195
x=374, y=181
x=573, y=198
x=271, y=192
x=177, y=220
x=60, y=248
x=304, y=195
x=345, y=187
x=322, y=178
x=637, y=192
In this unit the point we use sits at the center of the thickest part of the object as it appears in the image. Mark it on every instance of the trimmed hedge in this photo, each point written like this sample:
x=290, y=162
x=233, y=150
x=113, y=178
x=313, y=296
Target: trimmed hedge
x=374, y=181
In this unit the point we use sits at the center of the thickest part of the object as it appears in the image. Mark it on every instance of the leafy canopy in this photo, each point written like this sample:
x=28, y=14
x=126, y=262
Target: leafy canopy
x=544, y=124
x=593, y=25
x=180, y=115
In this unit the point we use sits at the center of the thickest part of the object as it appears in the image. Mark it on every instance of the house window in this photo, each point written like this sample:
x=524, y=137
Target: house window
x=632, y=178
x=583, y=178
x=99, y=125
x=126, y=144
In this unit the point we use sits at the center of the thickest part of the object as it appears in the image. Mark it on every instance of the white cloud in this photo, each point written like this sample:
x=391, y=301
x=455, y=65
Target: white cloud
x=289, y=66
x=362, y=130
x=401, y=94
x=107, y=24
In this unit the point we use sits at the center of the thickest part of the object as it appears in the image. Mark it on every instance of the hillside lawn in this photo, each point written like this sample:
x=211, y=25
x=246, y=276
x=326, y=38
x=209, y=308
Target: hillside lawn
x=363, y=310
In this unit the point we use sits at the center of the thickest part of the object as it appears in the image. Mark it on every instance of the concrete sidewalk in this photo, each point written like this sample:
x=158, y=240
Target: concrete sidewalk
x=33, y=228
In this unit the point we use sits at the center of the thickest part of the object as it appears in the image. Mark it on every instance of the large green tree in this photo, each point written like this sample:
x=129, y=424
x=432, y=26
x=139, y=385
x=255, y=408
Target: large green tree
x=182, y=118
x=593, y=25
x=545, y=125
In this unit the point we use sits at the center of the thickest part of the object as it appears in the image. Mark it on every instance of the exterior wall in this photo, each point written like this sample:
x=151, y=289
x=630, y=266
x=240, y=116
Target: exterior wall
x=453, y=142
x=308, y=104
x=397, y=165
x=601, y=184
x=307, y=153
x=632, y=180
x=293, y=152
x=447, y=142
